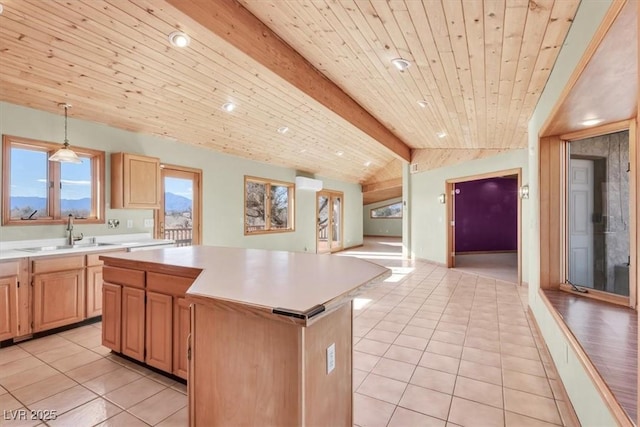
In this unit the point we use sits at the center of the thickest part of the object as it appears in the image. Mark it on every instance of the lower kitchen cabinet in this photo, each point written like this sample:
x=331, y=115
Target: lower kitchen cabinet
x=8, y=307
x=58, y=299
x=159, y=343
x=150, y=311
x=181, y=325
x=94, y=291
x=111, y=316
x=133, y=316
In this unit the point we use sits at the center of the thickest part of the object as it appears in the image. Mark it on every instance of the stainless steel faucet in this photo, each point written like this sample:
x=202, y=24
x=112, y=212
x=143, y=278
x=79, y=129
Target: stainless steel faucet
x=71, y=238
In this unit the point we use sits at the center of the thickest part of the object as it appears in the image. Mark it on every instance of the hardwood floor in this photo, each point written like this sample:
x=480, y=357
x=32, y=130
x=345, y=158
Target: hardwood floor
x=608, y=333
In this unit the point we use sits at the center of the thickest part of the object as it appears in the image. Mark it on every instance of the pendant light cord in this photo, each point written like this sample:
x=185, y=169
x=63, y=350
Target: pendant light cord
x=66, y=140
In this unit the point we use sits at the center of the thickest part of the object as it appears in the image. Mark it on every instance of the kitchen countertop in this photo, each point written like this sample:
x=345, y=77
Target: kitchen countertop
x=12, y=249
x=295, y=282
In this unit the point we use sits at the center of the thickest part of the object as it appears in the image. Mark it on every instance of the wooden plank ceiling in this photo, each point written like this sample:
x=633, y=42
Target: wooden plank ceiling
x=479, y=65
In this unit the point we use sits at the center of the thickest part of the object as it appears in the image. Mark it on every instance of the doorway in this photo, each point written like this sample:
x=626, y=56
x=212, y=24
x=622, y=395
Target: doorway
x=179, y=216
x=330, y=214
x=484, y=224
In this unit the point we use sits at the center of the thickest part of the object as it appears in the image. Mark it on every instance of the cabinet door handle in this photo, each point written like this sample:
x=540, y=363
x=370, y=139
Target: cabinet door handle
x=189, y=347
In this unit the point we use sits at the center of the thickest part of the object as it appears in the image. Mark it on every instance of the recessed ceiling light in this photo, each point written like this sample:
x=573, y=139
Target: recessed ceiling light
x=229, y=107
x=441, y=134
x=401, y=63
x=367, y=164
x=283, y=129
x=591, y=122
x=339, y=153
x=179, y=39
x=422, y=103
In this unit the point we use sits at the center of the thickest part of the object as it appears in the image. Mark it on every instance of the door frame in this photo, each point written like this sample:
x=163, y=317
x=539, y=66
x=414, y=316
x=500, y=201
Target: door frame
x=196, y=233
x=330, y=194
x=450, y=208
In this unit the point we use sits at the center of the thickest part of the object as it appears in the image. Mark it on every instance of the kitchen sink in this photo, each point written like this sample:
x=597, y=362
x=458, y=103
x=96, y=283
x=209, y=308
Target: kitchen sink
x=61, y=247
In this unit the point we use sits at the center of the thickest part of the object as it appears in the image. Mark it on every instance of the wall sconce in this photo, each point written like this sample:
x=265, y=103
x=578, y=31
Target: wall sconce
x=524, y=192
x=442, y=198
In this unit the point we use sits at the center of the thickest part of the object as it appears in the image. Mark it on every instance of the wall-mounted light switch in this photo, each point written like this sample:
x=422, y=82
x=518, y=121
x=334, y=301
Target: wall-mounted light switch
x=129, y=223
x=148, y=223
x=331, y=358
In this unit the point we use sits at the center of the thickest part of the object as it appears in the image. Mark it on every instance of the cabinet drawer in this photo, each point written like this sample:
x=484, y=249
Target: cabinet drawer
x=168, y=284
x=46, y=265
x=9, y=268
x=123, y=276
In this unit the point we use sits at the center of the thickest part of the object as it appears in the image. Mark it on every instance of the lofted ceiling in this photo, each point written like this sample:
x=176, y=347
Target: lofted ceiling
x=319, y=67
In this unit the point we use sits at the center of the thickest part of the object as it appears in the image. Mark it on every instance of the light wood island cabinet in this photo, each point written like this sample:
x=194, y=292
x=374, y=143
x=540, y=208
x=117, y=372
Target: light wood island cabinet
x=146, y=317
x=270, y=339
x=135, y=181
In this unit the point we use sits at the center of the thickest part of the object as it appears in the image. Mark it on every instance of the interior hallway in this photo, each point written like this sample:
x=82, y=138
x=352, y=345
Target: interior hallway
x=501, y=266
x=441, y=347
x=432, y=347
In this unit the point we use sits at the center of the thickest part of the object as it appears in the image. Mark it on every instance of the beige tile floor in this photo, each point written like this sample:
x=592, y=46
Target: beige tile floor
x=432, y=347
x=72, y=374
x=440, y=347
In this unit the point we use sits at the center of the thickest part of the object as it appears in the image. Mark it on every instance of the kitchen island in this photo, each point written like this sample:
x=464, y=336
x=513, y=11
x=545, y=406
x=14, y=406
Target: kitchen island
x=270, y=332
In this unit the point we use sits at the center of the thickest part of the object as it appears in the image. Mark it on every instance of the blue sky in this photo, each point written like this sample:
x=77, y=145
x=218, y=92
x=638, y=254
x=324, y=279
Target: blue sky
x=179, y=186
x=29, y=175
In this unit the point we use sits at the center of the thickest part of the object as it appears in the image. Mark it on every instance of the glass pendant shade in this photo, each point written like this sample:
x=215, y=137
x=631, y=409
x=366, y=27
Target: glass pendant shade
x=65, y=154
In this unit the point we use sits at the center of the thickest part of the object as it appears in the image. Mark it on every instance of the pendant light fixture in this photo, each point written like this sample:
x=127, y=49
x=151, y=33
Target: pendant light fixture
x=65, y=154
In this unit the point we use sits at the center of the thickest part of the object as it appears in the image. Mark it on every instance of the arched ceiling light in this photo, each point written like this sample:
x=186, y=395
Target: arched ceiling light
x=229, y=107
x=179, y=39
x=423, y=104
x=65, y=154
x=283, y=129
x=401, y=64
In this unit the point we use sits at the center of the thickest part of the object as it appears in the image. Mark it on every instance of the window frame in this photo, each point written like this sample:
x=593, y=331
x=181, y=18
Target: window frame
x=553, y=165
x=97, y=158
x=290, y=205
x=384, y=206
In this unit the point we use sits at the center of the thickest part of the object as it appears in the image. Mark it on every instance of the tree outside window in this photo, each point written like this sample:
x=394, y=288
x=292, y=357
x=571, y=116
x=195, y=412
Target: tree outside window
x=268, y=206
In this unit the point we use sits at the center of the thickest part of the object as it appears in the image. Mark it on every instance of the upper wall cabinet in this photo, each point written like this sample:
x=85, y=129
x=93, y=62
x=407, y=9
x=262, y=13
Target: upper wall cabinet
x=135, y=181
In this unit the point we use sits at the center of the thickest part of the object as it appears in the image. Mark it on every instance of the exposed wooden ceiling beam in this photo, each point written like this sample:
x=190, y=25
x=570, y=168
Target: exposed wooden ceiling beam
x=376, y=186
x=236, y=25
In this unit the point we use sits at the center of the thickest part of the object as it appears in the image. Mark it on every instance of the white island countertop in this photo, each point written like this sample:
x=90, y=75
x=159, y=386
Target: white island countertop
x=277, y=280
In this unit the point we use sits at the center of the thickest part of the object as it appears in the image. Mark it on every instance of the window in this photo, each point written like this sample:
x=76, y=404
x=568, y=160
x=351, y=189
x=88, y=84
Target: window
x=37, y=191
x=387, y=211
x=268, y=206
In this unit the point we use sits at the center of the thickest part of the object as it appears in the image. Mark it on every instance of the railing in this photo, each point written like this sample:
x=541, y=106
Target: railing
x=254, y=228
x=182, y=236
x=323, y=233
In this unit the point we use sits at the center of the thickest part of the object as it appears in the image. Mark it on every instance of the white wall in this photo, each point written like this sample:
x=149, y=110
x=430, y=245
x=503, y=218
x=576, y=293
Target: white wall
x=223, y=184
x=428, y=215
x=381, y=226
x=589, y=405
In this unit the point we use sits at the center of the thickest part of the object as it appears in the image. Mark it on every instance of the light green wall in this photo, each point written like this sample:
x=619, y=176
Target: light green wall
x=589, y=405
x=381, y=226
x=223, y=184
x=428, y=215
